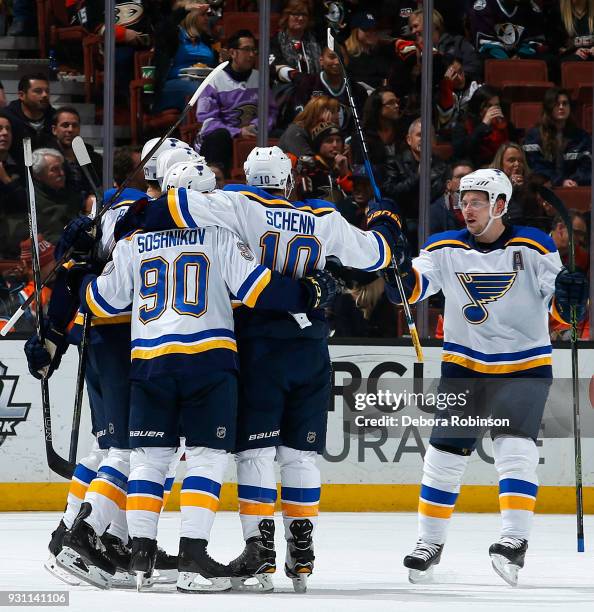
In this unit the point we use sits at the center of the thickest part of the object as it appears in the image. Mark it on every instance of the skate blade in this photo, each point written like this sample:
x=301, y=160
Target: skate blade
x=508, y=571
x=264, y=583
x=164, y=576
x=126, y=580
x=186, y=583
x=142, y=582
x=420, y=576
x=52, y=567
x=300, y=583
x=70, y=561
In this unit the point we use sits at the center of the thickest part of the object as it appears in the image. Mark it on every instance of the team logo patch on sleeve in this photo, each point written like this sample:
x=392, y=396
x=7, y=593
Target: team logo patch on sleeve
x=483, y=288
x=244, y=250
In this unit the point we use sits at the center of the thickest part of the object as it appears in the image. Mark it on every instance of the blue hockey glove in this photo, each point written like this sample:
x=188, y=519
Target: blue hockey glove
x=44, y=359
x=571, y=289
x=321, y=288
x=80, y=235
x=145, y=216
x=76, y=275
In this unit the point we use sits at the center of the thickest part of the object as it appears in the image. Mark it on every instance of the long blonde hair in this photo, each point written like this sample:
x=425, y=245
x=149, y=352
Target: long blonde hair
x=311, y=115
x=567, y=16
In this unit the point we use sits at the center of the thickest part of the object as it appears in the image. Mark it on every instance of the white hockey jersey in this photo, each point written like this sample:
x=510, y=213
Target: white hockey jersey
x=496, y=302
x=291, y=238
x=178, y=282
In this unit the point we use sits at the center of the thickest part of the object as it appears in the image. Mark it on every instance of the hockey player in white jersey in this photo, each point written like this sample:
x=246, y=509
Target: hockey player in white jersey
x=500, y=284
x=285, y=375
x=183, y=373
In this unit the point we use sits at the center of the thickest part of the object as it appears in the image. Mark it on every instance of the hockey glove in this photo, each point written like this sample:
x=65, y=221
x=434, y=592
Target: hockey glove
x=321, y=288
x=80, y=236
x=383, y=217
x=43, y=359
x=75, y=277
x=571, y=289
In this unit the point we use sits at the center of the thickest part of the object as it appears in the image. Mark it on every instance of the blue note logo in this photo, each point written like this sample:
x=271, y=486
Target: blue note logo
x=11, y=413
x=483, y=288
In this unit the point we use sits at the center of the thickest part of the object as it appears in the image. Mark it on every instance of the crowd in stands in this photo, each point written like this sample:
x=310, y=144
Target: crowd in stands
x=309, y=116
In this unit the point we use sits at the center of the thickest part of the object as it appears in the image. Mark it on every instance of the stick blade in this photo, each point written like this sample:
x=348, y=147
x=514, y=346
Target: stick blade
x=27, y=153
x=80, y=151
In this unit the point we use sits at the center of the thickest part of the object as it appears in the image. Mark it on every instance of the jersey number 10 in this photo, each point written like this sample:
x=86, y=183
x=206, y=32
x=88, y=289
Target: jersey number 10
x=298, y=247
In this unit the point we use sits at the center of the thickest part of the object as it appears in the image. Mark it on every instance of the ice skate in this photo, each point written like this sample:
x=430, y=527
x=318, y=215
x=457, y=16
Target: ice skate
x=83, y=554
x=198, y=573
x=142, y=561
x=119, y=554
x=507, y=557
x=421, y=560
x=258, y=560
x=299, y=562
x=55, y=548
x=165, y=568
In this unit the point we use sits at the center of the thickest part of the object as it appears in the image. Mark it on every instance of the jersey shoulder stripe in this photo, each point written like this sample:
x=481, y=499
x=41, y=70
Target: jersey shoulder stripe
x=455, y=239
x=533, y=238
x=177, y=203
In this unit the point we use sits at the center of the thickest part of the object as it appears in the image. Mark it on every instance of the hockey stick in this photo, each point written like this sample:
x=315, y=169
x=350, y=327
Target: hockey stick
x=418, y=367
x=57, y=464
x=558, y=205
x=84, y=161
x=52, y=274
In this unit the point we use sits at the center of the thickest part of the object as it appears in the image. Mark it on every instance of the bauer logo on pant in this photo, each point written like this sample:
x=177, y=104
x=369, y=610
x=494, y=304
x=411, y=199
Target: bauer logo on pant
x=11, y=413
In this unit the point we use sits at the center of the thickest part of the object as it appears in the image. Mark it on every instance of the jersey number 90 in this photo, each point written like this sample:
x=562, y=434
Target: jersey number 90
x=189, y=279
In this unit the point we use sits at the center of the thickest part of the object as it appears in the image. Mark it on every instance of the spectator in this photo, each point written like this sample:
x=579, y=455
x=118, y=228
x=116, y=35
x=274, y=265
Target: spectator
x=449, y=45
x=524, y=207
x=382, y=128
x=503, y=29
x=294, y=50
x=13, y=199
x=330, y=82
x=405, y=78
x=2, y=96
x=228, y=107
x=445, y=213
x=31, y=115
x=403, y=174
x=571, y=29
x=24, y=18
x=455, y=92
x=556, y=148
x=327, y=175
x=65, y=128
x=483, y=128
x=368, y=61
x=183, y=41
x=296, y=139
x=125, y=161
x=56, y=205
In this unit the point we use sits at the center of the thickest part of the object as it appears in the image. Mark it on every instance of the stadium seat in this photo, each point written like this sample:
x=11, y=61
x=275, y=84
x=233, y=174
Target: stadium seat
x=576, y=198
x=525, y=115
x=518, y=80
x=233, y=21
x=586, y=117
x=241, y=149
x=443, y=150
x=578, y=78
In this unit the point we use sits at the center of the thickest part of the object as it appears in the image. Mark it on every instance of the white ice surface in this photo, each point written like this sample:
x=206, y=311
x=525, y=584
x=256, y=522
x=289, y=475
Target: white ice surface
x=358, y=567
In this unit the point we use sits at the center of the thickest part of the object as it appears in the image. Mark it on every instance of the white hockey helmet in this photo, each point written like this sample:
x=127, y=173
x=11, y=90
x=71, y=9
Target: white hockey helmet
x=268, y=167
x=150, y=168
x=168, y=158
x=196, y=176
x=493, y=182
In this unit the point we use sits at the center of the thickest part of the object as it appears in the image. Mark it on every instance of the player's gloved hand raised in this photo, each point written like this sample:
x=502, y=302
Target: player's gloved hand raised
x=321, y=288
x=79, y=235
x=571, y=289
x=383, y=217
x=44, y=359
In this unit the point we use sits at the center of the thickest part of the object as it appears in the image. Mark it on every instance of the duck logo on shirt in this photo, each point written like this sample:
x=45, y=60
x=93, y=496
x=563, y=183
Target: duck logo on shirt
x=483, y=288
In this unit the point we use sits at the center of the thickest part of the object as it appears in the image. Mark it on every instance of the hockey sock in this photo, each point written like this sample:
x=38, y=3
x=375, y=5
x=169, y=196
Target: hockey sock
x=148, y=471
x=201, y=488
x=107, y=493
x=516, y=460
x=83, y=475
x=256, y=488
x=300, y=486
x=440, y=486
x=171, y=473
